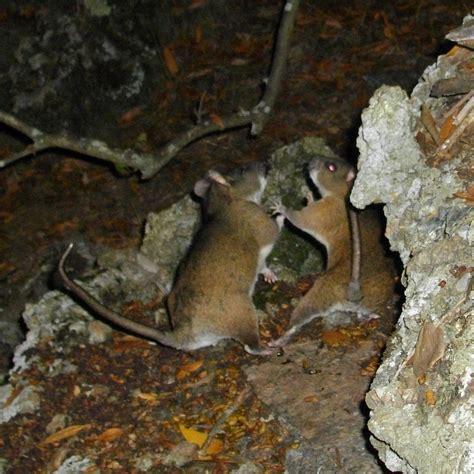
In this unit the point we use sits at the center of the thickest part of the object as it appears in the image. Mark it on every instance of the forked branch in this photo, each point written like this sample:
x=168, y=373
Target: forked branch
x=149, y=164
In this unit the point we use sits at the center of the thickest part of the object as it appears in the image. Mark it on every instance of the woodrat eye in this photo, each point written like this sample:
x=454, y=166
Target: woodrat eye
x=331, y=166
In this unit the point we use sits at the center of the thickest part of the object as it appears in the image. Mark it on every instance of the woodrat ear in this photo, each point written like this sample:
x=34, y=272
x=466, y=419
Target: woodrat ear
x=350, y=175
x=216, y=177
x=202, y=186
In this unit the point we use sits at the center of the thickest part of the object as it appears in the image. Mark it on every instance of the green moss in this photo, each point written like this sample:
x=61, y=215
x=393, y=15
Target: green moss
x=294, y=254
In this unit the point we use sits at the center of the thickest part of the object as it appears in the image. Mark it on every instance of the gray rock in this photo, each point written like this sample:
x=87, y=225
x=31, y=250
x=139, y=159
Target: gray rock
x=168, y=235
x=421, y=425
x=27, y=401
x=248, y=468
x=74, y=465
x=293, y=255
x=57, y=423
x=98, y=332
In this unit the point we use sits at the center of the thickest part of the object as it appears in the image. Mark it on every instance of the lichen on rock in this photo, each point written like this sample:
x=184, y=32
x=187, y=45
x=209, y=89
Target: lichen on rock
x=421, y=421
x=293, y=255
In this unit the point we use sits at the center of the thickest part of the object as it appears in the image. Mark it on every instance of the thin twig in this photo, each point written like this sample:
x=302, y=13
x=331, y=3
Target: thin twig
x=467, y=114
x=263, y=109
x=148, y=164
x=428, y=121
x=222, y=419
x=458, y=105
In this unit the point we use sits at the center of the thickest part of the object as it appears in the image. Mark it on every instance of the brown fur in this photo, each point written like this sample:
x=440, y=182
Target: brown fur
x=327, y=221
x=211, y=297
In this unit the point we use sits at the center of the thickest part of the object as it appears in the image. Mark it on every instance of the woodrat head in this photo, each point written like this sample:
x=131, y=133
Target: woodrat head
x=332, y=176
x=247, y=182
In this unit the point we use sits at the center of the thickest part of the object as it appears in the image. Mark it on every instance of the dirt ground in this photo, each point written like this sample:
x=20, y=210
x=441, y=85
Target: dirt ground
x=113, y=78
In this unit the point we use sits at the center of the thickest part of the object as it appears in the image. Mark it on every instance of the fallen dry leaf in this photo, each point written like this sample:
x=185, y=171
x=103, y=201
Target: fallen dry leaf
x=149, y=397
x=421, y=379
x=429, y=348
x=430, y=398
x=193, y=436
x=370, y=369
x=468, y=195
x=65, y=433
x=170, y=61
x=459, y=270
x=65, y=226
x=110, y=434
x=215, y=446
x=15, y=392
x=125, y=345
x=216, y=120
x=188, y=369
x=199, y=437
x=118, y=380
x=335, y=338
x=130, y=116
x=446, y=129
x=197, y=4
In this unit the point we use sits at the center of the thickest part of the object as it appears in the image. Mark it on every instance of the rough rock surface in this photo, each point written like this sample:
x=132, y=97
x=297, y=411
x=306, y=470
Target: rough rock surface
x=168, y=235
x=421, y=399
x=293, y=256
x=315, y=392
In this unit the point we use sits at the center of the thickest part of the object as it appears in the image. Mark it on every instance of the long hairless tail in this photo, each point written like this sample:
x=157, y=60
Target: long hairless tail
x=353, y=290
x=106, y=313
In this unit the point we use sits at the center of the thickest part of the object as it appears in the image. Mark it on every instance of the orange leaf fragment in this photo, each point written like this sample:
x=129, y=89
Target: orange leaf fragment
x=311, y=399
x=430, y=398
x=370, y=369
x=453, y=51
x=170, y=61
x=118, y=380
x=110, y=434
x=14, y=393
x=188, y=369
x=335, y=338
x=66, y=226
x=216, y=120
x=197, y=4
x=149, y=397
x=65, y=433
x=430, y=347
x=199, y=437
x=193, y=436
x=130, y=116
x=446, y=128
x=468, y=195
x=215, y=446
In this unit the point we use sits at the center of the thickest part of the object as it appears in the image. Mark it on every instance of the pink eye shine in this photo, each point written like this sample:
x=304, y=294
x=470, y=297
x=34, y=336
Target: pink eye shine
x=331, y=167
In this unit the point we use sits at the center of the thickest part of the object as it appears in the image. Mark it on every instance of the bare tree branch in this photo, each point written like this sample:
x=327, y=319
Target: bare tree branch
x=149, y=164
x=263, y=109
x=95, y=148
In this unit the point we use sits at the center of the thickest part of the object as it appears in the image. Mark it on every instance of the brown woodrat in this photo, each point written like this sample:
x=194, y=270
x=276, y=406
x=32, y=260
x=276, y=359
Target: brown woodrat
x=211, y=297
x=327, y=221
